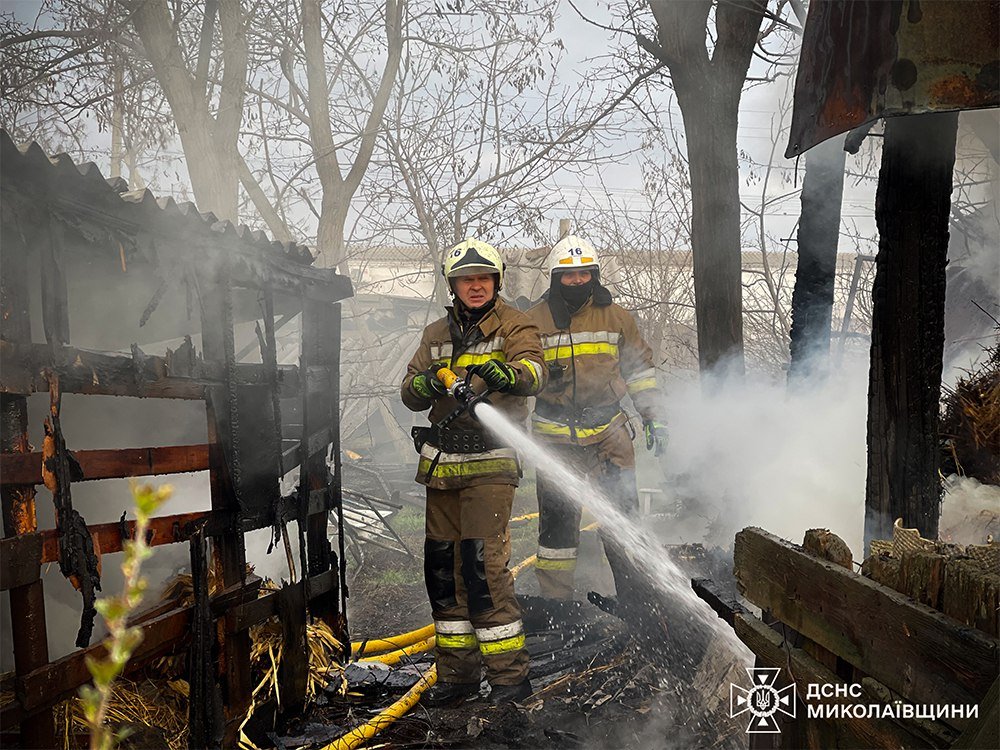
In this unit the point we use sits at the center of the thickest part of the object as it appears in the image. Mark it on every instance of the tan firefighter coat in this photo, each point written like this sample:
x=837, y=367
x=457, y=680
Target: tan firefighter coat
x=601, y=357
x=505, y=334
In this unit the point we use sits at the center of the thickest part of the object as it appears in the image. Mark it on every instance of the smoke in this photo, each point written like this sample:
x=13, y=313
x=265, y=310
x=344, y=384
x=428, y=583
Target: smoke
x=970, y=511
x=749, y=452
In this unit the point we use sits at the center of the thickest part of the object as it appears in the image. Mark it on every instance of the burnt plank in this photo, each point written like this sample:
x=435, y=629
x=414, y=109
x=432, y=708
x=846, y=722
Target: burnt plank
x=293, y=671
x=110, y=374
x=54, y=682
x=26, y=468
x=107, y=536
x=264, y=607
x=22, y=559
x=911, y=648
x=62, y=677
x=772, y=651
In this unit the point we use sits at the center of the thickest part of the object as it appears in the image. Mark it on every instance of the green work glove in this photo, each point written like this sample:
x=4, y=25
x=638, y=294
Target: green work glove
x=426, y=384
x=499, y=376
x=656, y=436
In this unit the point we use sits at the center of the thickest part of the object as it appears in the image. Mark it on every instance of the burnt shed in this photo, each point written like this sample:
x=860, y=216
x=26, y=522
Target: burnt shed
x=178, y=305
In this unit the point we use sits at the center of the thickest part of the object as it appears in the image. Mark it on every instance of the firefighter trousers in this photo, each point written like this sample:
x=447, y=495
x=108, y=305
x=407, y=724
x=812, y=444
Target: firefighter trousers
x=610, y=466
x=476, y=614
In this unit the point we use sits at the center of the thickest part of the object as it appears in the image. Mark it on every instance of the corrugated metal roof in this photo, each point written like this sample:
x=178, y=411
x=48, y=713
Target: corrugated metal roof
x=864, y=60
x=58, y=179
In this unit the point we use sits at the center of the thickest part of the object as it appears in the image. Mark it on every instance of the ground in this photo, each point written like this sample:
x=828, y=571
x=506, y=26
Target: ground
x=597, y=683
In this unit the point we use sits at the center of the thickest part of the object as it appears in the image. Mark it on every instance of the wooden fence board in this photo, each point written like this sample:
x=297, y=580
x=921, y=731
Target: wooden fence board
x=26, y=468
x=917, y=651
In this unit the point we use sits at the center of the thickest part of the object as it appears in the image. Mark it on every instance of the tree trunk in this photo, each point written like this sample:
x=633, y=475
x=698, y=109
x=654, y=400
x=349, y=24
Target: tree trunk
x=815, y=272
x=209, y=145
x=710, y=116
x=912, y=209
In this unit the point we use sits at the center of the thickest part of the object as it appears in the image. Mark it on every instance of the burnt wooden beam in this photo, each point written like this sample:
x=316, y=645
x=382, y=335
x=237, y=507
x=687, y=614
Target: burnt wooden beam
x=293, y=671
x=912, y=210
x=725, y=606
x=916, y=651
x=25, y=368
x=773, y=651
x=26, y=468
x=229, y=550
x=55, y=300
x=320, y=363
x=267, y=606
x=108, y=536
x=204, y=714
x=54, y=682
x=21, y=557
x=816, y=262
x=27, y=602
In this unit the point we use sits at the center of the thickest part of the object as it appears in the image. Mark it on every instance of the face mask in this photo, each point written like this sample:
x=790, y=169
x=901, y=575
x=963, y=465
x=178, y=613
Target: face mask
x=576, y=296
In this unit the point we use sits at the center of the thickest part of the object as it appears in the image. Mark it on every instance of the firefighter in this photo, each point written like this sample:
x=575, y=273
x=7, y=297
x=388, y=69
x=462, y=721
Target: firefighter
x=470, y=478
x=595, y=355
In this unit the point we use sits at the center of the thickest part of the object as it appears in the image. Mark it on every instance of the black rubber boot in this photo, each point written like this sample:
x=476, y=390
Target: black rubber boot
x=443, y=694
x=510, y=693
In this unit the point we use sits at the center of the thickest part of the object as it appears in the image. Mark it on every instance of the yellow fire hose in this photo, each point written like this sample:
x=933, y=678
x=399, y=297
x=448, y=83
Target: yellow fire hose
x=525, y=517
x=379, y=645
x=360, y=734
x=364, y=732
x=394, y=657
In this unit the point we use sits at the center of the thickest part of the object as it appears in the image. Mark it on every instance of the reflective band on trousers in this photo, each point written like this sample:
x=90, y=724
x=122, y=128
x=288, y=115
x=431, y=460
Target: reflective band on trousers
x=501, y=638
x=463, y=640
x=451, y=627
x=557, y=553
x=455, y=634
x=502, y=647
x=544, y=564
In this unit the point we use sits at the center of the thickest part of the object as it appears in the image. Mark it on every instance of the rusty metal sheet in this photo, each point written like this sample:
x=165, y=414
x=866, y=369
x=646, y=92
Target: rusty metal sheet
x=866, y=59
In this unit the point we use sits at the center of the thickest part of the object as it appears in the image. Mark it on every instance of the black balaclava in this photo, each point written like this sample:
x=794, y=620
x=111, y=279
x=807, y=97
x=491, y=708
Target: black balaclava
x=564, y=300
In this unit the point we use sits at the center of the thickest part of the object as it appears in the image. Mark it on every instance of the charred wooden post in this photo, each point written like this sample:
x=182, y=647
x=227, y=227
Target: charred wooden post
x=224, y=464
x=321, y=409
x=816, y=266
x=205, y=729
x=31, y=648
x=912, y=207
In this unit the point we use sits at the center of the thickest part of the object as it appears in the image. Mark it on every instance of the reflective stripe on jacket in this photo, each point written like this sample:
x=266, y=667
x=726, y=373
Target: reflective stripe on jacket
x=601, y=357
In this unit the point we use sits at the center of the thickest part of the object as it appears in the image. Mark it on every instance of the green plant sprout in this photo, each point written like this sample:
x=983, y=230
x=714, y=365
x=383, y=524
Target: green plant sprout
x=122, y=640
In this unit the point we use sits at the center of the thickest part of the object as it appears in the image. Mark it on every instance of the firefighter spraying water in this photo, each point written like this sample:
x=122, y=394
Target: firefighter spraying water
x=481, y=346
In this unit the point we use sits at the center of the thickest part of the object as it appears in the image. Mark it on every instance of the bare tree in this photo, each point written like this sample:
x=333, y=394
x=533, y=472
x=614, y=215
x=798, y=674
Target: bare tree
x=707, y=47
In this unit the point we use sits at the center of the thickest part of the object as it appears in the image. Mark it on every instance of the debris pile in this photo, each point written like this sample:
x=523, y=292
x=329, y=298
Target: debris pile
x=970, y=422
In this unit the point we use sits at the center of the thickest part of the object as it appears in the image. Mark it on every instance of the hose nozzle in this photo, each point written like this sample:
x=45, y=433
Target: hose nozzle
x=460, y=389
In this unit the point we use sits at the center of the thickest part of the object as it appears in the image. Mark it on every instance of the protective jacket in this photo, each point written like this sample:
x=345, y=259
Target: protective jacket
x=504, y=334
x=592, y=364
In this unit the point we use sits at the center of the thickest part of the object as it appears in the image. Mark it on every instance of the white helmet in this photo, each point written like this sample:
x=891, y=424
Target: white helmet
x=470, y=257
x=572, y=252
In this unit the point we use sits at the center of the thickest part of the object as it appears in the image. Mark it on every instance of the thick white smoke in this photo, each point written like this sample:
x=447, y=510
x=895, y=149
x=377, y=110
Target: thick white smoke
x=750, y=452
